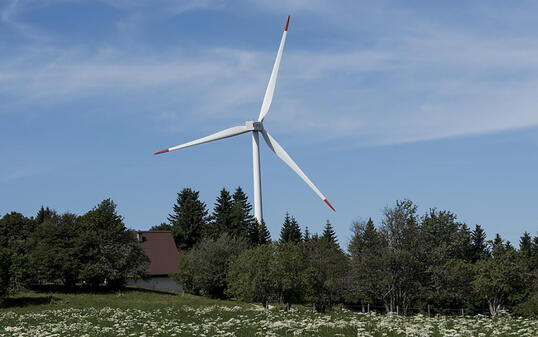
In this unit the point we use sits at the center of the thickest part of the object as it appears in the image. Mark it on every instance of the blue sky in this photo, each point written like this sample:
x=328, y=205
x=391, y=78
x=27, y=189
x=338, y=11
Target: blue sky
x=435, y=102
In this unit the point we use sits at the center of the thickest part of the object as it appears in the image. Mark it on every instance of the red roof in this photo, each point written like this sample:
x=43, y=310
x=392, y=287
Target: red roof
x=161, y=250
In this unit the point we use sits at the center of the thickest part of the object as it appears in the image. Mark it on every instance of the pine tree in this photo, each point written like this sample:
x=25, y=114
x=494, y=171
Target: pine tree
x=479, y=244
x=497, y=246
x=222, y=217
x=285, y=231
x=264, y=236
x=306, y=236
x=188, y=219
x=290, y=232
x=243, y=222
x=295, y=231
x=46, y=214
x=329, y=234
x=525, y=244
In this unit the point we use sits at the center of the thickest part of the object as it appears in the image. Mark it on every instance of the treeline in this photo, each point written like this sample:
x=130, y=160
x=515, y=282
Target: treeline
x=406, y=263
x=190, y=220
x=91, y=250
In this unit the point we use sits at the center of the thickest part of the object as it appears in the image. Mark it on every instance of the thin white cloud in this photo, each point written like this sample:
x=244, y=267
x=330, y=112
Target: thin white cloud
x=428, y=83
x=17, y=174
x=9, y=18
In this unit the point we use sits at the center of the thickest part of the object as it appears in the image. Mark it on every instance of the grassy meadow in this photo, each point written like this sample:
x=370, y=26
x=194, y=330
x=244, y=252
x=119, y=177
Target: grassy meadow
x=133, y=312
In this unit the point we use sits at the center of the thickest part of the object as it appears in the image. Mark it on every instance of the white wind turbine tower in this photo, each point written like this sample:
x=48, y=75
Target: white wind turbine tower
x=256, y=127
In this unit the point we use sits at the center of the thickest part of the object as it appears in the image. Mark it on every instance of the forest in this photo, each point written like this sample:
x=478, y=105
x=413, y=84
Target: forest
x=408, y=263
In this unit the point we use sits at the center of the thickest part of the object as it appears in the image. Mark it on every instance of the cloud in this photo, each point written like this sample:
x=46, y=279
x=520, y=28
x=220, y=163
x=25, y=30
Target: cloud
x=17, y=174
x=428, y=82
x=9, y=18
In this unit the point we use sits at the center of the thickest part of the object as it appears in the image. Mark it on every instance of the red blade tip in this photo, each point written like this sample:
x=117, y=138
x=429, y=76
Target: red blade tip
x=328, y=203
x=163, y=151
x=287, y=23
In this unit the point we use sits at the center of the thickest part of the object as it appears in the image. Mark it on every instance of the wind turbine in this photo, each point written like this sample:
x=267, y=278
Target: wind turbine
x=256, y=127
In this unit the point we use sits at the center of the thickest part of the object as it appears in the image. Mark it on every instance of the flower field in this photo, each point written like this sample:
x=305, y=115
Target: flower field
x=224, y=320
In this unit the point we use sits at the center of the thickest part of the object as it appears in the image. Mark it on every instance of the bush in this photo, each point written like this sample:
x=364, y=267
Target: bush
x=204, y=268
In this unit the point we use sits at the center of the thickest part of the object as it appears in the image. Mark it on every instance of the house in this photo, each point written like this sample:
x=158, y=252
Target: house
x=163, y=260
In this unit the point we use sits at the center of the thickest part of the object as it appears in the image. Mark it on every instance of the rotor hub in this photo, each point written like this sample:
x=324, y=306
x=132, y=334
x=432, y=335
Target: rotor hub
x=254, y=125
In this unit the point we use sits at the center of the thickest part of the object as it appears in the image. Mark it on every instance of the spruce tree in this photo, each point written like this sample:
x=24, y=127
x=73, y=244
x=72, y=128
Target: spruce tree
x=264, y=236
x=306, y=236
x=295, y=234
x=285, y=231
x=329, y=234
x=222, y=217
x=243, y=222
x=46, y=214
x=188, y=219
x=525, y=244
x=479, y=244
x=290, y=231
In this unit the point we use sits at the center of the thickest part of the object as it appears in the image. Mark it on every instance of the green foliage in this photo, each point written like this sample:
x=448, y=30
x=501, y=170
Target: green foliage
x=407, y=261
x=444, y=243
x=204, y=268
x=251, y=275
x=162, y=227
x=264, y=237
x=328, y=234
x=290, y=232
x=402, y=256
x=326, y=268
x=479, y=245
x=110, y=253
x=56, y=249
x=243, y=223
x=501, y=279
x=268, y=272
x=258, y=234
x=306, y=234
x=5, y=262
x=189, y=219
x=367, y=259
x=222, y=217
x=289, y=267
x=16, y=269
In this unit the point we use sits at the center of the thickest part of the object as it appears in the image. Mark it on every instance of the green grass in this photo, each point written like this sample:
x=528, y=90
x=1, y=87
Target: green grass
x=127, y=298
x=133, y=312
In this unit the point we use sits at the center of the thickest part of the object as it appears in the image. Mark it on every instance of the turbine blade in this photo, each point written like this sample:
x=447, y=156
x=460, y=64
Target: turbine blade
x=236, y=130
x=282, y=154
x=268, y=98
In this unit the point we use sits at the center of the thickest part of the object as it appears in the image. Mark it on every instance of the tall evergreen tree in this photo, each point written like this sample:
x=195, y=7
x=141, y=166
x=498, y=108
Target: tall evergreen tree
x=242, y=220
x=46, y=213
x=286, y=228
x=295, y=234
x=479, y=244
x=525, y=244
x=222, y=218
x=189, y=218
x=290, y=232
x=306, y=235
x=497, y=245
x=329, y=234
x=264, y=236
x=368, y=280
